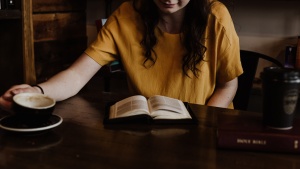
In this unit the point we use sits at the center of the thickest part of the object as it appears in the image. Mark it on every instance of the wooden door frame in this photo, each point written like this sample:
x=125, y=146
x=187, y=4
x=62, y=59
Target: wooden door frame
x=28, y=45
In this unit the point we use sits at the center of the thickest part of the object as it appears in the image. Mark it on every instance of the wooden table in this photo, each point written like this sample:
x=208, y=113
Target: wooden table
x=83, y=142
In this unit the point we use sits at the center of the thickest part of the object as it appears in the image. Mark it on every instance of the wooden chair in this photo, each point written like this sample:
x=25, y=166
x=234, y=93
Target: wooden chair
x=249, y=61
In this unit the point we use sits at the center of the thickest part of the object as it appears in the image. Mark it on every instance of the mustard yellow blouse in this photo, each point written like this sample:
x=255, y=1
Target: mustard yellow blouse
x=120, y=39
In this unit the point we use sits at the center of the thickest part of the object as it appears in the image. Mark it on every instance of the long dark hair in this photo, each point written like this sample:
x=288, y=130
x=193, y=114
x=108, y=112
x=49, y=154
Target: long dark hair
x=194, y=25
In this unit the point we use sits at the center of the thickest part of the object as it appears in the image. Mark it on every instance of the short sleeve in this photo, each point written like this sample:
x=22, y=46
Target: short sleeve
x=229, y=64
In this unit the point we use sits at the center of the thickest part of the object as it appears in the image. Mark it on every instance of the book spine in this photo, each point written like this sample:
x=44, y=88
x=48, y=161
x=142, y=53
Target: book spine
x=298, y=54
x=258, y=142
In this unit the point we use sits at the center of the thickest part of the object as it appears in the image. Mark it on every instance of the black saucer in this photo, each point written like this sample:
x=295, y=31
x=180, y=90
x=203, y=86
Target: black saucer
x=10, y=123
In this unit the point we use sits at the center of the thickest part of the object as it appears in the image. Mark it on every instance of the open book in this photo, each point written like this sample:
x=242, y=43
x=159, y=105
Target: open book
x=156, y=109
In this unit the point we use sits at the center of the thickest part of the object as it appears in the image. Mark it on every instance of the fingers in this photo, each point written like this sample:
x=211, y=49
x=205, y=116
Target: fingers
x=23, y=88
x=20, y=88
x=7, y=97
x=5, y=105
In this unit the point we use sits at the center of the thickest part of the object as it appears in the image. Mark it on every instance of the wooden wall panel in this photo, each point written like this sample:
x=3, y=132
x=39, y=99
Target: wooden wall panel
x=54, y=56
x=41, y=6
x=57, y=26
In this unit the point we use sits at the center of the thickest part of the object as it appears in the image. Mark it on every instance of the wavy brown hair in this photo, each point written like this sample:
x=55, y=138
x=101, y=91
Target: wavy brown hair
x=194, y=25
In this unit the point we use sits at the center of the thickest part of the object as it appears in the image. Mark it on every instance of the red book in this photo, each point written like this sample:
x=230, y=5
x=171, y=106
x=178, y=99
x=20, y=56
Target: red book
x=246, y=132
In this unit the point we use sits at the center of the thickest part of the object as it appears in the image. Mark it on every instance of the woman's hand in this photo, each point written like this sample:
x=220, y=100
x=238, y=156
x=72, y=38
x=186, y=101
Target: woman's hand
x=6, y=99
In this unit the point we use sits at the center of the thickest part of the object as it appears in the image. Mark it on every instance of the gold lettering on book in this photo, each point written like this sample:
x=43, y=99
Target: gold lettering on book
x=296, y=142
x=249, y=141
x=243, y=141
x=260, y=142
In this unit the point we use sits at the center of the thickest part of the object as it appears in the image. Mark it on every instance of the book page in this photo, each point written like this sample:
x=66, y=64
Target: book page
x=130, y=106
x=162, y=107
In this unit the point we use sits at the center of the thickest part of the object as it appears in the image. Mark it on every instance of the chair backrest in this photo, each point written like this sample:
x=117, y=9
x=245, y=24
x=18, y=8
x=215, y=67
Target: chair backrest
x=249, y=60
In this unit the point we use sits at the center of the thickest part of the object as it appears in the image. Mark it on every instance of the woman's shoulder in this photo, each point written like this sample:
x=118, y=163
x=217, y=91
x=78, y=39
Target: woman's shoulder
x=220, y=12
x=220, y=16
x=124, y=11
x=125, y=8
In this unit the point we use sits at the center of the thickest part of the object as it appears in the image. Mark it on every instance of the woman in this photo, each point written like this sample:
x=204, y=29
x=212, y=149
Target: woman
x=185, y=49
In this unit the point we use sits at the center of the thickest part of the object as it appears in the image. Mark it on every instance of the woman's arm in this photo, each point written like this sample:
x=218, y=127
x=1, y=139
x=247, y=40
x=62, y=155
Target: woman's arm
x=69, y=82
x=224, y=94
x=61, y=86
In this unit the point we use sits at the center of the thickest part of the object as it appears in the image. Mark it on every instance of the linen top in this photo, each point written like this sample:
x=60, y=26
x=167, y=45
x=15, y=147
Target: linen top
x=120, y=37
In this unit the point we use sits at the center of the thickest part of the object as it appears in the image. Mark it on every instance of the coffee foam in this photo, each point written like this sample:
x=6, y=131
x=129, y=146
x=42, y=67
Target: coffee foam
x=34, y=101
